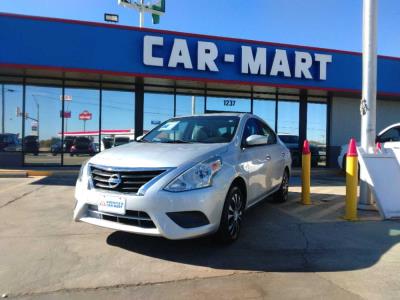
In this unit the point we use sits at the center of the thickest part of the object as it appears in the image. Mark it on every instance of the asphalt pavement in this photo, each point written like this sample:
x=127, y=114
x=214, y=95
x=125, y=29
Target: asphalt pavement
x=285, y=251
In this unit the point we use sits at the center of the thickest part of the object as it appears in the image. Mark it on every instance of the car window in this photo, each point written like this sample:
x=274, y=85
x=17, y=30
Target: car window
x=250, y=128
x=268, y=132
x=289, y=139
x=392, y=135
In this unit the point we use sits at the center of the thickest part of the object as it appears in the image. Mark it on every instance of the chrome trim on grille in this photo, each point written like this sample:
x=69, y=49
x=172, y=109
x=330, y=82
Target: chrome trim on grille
x=132, y=181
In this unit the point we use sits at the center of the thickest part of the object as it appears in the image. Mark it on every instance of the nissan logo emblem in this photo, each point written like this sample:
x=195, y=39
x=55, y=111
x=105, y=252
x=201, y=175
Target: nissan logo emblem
x=114, y=181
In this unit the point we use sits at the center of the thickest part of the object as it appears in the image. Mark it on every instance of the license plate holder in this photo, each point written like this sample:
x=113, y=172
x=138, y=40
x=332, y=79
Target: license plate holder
x=112, y=204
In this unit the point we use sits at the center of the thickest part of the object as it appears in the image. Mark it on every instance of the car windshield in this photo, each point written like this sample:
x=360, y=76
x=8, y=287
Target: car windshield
x=82, y=140
x=289, y=139
x=197, y=129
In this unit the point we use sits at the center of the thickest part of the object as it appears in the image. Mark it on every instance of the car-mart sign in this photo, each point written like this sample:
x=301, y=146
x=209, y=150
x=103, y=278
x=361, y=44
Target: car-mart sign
x=252, y=60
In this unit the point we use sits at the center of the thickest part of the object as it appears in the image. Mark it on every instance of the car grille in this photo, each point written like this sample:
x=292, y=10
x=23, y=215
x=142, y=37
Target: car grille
x=128, y=181
x=131, y=217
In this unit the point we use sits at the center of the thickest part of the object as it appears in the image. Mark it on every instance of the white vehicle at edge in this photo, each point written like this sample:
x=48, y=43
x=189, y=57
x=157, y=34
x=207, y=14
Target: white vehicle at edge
x=388, y=137
x=188, y=177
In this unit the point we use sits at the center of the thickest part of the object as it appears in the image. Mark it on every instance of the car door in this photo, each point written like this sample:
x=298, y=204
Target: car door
x=276, y=154
x=254, y=163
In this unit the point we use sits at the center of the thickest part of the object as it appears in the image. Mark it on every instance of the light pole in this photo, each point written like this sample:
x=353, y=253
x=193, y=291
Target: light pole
x=368, y=101
x=3, y=106
x=193, y=105
x=156, y=10
x=37, y=114
x=141, y=14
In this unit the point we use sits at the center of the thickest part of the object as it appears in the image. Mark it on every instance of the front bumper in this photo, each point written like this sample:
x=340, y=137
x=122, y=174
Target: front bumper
x=156, y=203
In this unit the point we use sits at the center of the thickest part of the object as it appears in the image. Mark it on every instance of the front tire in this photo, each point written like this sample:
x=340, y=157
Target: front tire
x=232, y=215
x=282, y=194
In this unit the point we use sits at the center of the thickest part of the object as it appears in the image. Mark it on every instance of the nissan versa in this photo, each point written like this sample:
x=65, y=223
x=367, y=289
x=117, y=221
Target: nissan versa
x=190, y=176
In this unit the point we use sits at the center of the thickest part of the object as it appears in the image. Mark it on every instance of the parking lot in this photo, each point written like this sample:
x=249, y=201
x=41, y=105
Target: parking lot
x=284, y=251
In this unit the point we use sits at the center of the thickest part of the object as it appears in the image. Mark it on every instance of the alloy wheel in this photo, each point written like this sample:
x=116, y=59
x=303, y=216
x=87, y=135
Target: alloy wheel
x=235, y=212
x=285, y=186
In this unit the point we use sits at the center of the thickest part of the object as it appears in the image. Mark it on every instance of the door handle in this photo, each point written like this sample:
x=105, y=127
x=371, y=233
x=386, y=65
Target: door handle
x=268, y=157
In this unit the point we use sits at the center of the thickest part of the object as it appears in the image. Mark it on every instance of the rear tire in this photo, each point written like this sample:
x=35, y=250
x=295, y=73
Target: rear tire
x=232, y=215
x=282, y=194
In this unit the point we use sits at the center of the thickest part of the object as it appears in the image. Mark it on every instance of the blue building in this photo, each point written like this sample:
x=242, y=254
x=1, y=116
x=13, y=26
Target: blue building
x=63, y=79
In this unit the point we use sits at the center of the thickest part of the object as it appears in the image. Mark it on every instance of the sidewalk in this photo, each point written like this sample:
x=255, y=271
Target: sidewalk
x=38, y=171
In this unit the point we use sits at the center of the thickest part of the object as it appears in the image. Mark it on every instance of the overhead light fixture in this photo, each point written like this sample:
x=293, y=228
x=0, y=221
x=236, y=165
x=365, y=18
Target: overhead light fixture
x=111, y=18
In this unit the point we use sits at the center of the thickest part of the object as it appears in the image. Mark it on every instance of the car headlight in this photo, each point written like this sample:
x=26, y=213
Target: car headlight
x=197, y=177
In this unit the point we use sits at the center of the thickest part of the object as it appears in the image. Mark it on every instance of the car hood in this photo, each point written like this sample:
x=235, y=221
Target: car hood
x=156, y=155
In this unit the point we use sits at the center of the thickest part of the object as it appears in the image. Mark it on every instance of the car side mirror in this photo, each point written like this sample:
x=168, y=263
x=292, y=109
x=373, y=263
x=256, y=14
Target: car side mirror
x=139, y=137
x=256, y=140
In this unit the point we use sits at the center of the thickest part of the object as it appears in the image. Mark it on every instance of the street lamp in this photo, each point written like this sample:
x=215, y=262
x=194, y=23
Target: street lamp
x=3, y=106
x=156, y=10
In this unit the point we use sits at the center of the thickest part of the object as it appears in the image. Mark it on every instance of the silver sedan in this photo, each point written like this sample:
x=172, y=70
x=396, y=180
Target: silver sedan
x=188, y=177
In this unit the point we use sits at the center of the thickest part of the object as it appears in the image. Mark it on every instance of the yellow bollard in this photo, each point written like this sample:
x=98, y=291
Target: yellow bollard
x=305, y=174
x=351, y=182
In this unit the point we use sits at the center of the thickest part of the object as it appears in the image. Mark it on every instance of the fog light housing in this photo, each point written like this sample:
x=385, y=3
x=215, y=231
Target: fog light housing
x=188, y=219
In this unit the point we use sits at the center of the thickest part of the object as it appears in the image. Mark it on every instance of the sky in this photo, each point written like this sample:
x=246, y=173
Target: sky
x=332, y=24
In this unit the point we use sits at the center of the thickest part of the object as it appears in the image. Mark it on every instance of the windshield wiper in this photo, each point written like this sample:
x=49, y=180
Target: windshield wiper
x=177, y=142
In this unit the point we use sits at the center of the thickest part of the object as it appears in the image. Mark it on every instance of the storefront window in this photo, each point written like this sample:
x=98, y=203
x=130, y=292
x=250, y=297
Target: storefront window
x=288, y=128
x=188, y=104
x=11, y=125
x=157, y=109
x=118, y=118
x=316, y=132
x=42, y=140
x=265, y=109
x=81, y=125
x=228, y=104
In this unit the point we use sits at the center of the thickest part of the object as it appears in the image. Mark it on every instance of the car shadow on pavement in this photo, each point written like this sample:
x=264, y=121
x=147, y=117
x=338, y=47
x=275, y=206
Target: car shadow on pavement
x=274, y=240
x=69, y=180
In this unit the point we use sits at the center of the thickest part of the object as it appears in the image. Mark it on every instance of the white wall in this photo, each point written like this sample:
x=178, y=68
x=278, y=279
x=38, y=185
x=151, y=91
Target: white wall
x=346, y=120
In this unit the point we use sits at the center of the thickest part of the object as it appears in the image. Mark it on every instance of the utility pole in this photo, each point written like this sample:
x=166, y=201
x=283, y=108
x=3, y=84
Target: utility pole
x=37, y=114
x=369, y=88
x=2, y=109
x=193, y=105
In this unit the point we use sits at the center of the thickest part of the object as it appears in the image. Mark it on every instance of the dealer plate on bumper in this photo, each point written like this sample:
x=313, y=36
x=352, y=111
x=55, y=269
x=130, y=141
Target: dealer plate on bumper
x=112, y=204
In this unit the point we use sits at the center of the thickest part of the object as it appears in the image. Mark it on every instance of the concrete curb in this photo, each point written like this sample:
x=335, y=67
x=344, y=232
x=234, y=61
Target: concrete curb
x=13, y=174
x=33, y=173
